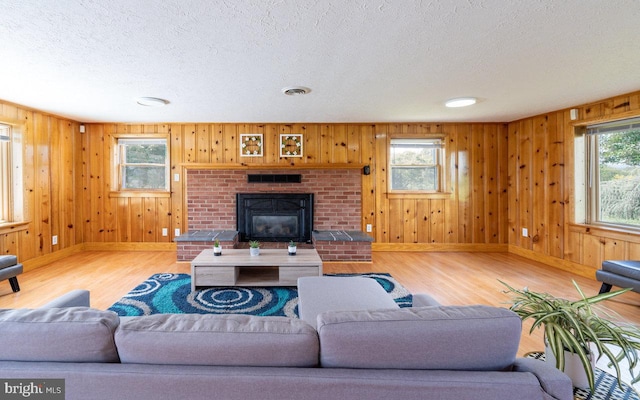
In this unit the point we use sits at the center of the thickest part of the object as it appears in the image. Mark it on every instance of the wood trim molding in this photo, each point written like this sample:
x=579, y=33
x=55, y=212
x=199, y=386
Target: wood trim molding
x=291, y=165
x=130, y=246
x=46, y=259
x=444, y=247
x=569, y=266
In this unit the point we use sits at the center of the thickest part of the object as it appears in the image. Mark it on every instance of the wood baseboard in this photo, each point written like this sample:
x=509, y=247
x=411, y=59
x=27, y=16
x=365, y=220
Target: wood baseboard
x=569, y=266
x=441, y=247
x=51, y=257
x=129, y=246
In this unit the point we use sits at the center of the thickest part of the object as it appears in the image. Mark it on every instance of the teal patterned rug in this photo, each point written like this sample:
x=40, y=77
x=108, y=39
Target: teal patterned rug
x=171, y=294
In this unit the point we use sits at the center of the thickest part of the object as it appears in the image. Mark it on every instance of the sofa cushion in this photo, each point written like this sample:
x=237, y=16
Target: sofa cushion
x=76, y=334
x=235, y=340
x=440, y=337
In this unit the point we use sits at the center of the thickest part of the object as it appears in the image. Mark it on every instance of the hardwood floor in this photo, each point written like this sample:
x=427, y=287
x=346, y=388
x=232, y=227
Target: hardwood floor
x=452, y=278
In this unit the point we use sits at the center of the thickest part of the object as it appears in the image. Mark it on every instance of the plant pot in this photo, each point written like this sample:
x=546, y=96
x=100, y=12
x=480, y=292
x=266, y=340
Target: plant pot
x=572, y=367
x=254, y=251
x=217, y=251
x=292, y=250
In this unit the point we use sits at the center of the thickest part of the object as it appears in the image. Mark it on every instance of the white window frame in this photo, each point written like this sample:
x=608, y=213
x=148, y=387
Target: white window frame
x=11, y=193
x=587, y=172
x=120, y=164
x=436, y=142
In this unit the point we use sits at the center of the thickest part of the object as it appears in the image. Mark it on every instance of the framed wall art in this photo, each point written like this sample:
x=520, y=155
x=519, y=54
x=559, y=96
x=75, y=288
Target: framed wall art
x=251, y=145
x=291, y=145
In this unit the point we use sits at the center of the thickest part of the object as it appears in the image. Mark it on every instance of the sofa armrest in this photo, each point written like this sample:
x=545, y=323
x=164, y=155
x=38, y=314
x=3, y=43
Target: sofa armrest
x=553, y=381
x=424, y=300
x=74, y=298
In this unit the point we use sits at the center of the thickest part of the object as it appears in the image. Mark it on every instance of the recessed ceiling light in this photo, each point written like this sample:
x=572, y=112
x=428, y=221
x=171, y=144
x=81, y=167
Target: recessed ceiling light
x=151, y=101
x=295, y=90
x=461, y=102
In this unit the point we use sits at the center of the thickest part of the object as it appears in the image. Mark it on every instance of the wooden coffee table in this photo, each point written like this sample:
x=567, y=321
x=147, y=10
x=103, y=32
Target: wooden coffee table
x=235, y=267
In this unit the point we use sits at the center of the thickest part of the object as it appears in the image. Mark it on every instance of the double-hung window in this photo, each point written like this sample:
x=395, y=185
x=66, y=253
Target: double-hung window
x=11, y=200
x=142, y=164
x=415, y=164
x=612, y=173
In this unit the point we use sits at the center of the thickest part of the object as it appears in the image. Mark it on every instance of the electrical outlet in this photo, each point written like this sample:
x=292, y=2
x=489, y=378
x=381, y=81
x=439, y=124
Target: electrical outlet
x=369, y=228
x=165, y=232
x=54, y=240
x=176, y=232
x=176, y=177
x=525, y=232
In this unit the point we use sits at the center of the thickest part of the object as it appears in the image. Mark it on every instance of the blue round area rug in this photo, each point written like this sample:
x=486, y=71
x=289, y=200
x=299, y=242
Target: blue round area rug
x=171, y=294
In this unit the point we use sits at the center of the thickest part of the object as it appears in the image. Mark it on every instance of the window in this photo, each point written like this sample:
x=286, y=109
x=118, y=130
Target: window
x=613, y=173
x=11, y=201
x=143, y=164
x=416, y=164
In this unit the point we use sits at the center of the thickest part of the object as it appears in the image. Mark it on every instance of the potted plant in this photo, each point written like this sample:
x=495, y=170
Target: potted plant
x=292, y=248
x=217, y=248
x=574, y=329
x=254, y=248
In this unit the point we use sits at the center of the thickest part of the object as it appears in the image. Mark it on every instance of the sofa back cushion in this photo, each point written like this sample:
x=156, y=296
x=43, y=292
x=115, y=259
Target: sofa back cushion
x=75, y=334
x=441, y=337
x=230, y=340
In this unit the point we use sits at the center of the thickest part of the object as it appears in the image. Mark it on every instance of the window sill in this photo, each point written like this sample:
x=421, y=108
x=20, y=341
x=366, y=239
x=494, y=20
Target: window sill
x=628, y=234
x=140, y=194
x=8, y=227
x=419, y=195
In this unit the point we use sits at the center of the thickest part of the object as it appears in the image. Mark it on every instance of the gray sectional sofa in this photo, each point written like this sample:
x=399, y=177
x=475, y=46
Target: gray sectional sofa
x=435, y=352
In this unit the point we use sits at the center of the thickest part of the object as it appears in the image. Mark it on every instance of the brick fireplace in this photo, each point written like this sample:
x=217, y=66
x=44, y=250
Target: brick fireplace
x=211, y=196
x=211, y=205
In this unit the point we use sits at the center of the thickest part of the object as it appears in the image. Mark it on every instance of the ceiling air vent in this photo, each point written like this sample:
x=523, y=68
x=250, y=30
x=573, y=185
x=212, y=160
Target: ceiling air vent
x=295, y=90
x=270, y=178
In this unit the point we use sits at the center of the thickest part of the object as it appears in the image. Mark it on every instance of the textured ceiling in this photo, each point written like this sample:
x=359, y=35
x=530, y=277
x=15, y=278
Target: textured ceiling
x=365, y=60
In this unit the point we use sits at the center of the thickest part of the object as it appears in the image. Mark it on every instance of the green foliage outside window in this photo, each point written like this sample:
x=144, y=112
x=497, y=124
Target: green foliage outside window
x=414, y=164
x=144, y=164
x=619, y=177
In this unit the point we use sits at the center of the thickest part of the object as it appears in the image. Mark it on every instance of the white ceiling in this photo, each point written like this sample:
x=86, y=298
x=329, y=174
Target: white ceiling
x=364, y=60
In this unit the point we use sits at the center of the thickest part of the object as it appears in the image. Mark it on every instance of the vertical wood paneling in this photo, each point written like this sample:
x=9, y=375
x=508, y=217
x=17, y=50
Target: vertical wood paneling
x=539, y=170
x=502, y=184
x=97, y=167
x=178, y=200
x=27, y=238
x=555, y=173
x=550, y=146
x=366, y=136
x=109, y=205
x=437, y=210
x=42, y=215
x=396, y=214
x=150, y=217
x=501, y=180
x=465, y=185
x=451, y=164
x=380, y=172
x=409, y=227
x=525, y=158
x=478, y=189
x=136, y=218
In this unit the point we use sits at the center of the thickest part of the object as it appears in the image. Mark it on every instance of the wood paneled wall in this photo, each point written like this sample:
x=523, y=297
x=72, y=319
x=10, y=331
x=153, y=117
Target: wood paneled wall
x=500, y=178
x=473, y=211
x=541, y=190
x=52, y=184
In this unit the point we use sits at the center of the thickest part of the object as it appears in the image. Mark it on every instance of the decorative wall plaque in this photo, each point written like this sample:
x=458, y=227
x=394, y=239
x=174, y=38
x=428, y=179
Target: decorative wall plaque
x=291, y=145
x=251, y=144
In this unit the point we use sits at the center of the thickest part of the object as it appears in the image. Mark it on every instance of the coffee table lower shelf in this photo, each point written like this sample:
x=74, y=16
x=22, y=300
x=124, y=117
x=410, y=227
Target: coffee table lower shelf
x=273, y=267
